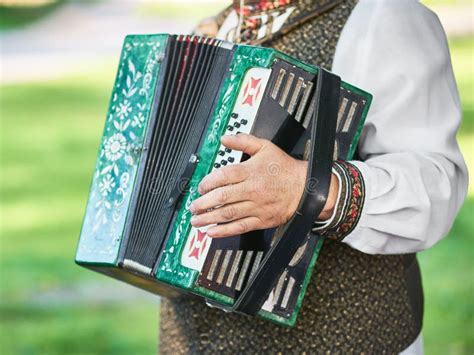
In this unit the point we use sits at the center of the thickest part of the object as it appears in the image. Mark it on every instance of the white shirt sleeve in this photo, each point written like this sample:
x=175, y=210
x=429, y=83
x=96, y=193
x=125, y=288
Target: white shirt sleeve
x=414, y=173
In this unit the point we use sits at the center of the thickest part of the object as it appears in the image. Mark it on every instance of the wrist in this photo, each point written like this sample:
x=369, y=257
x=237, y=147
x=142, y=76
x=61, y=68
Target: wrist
x=349, y=203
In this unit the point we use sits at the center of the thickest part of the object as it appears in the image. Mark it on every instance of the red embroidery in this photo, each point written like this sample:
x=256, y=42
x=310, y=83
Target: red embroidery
x=353, y=209
x=256, y=14
x=258, y=6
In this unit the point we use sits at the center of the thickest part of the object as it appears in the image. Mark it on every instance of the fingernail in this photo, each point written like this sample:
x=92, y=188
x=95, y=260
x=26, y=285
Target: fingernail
x=194, y=220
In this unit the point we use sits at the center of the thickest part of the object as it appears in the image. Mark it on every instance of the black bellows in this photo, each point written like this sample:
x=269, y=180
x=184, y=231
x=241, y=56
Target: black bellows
x=187, y=90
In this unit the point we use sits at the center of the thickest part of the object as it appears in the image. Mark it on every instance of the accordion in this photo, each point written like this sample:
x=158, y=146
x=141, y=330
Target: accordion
x=173, y=98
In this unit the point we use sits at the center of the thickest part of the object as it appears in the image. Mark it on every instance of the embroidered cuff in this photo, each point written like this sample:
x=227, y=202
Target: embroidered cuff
x=348, y=205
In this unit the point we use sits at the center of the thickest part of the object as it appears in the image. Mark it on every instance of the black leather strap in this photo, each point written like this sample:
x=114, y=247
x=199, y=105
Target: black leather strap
x=323, y=131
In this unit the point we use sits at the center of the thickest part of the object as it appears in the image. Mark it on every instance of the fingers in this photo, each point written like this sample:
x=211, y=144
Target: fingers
x=226, y=175
x=244, y=143
x=219, y=197
x=237, y=227
x=224, y=214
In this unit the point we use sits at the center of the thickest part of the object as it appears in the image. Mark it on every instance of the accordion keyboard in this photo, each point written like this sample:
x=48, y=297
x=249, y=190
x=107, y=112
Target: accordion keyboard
x=226, y=156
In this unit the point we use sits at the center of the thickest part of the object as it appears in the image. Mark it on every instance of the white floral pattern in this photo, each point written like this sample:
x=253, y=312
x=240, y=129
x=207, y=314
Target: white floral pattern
x=121, y=146
x=138, y=120
x=115, y=147
x=106, y=185
x=123, y=109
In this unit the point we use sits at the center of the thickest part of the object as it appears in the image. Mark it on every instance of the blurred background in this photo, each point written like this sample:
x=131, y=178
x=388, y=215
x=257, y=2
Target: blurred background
x=57, y=66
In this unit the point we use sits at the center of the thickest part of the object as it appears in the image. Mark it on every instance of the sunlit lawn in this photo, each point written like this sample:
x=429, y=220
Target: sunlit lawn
x=49, y=137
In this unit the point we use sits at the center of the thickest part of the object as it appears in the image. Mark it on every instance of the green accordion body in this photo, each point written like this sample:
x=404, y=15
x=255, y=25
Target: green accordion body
x=123, y=233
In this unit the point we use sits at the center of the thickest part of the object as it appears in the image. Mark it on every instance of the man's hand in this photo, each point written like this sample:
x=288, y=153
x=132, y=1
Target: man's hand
x=262, y=192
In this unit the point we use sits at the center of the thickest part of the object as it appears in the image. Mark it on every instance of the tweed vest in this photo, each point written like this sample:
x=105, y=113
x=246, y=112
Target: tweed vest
x=355, y=302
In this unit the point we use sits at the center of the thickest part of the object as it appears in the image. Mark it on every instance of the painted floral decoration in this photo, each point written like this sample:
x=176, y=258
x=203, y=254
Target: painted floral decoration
x=115, y=146
x=120, y=149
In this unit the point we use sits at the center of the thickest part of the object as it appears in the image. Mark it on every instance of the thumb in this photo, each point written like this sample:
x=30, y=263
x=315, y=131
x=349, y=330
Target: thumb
x=242, y=142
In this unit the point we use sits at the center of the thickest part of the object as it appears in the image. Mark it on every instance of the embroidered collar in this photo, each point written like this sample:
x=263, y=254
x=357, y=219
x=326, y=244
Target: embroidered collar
x=264, y=20
x=252, y=7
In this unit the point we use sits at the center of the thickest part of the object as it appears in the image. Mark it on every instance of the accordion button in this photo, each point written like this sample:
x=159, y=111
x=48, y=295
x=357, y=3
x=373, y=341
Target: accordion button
x=231, y=159
x=221, y=152
x=244, y=122
x=230, y=128
x=228, y=150
x=217, y=165
x=224, y=162
x=234, y=115
x=236, y=124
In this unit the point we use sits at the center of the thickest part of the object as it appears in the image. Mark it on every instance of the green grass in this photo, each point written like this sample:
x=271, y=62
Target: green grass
x=12, y=17
x=49, y=135
x=93, y=329
x=16, y=16
x=49, y=138
x=448, y=272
